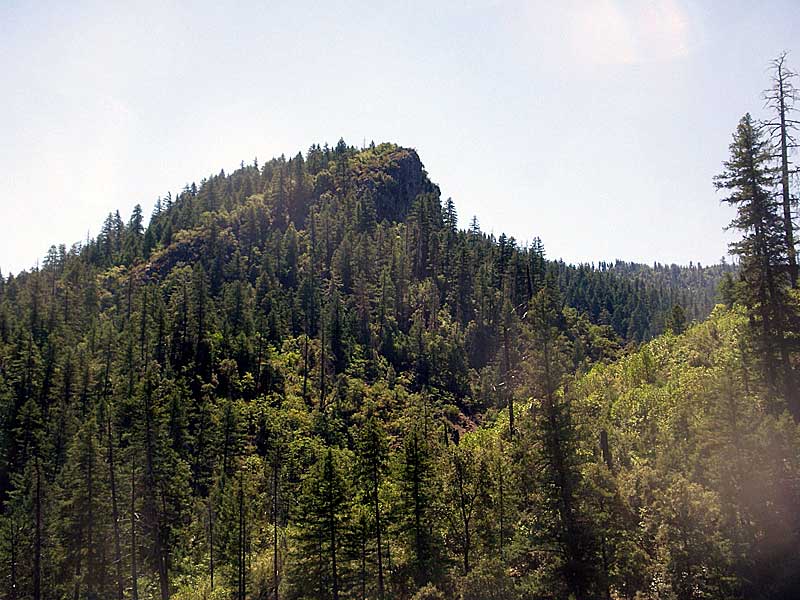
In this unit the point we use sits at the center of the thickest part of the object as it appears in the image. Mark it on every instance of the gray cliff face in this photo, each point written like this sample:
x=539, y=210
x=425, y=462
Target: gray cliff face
x=392, y=178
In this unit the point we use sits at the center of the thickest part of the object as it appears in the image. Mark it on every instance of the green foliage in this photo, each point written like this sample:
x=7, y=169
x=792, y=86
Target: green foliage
x=695, y=443
x=302, y=379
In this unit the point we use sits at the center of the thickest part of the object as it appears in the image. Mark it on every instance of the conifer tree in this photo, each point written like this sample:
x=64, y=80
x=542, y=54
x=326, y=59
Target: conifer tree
x=371, y=469
x=417, y=498
x=550, y=442
x=748, y=176
x=324, y=508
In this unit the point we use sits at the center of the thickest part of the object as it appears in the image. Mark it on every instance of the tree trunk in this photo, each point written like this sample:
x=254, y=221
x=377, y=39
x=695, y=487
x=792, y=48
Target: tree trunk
x=211, y=540
x=786, y=197
x=605, y=448
x=378, y=535
x=113, y=484
x=501, y=493
x=363, y=564
x=322, y=368
x=13, y=558
x=507, y=377
x=305, y=367
x=241, y=539
x=143, y=331
x=37, y=543
x=334, y=570
x=76, y=588
x=152, y=512
x=466, y=510
x=134, y=566
x=275, y=525
x=90, y=549
x=258, y=360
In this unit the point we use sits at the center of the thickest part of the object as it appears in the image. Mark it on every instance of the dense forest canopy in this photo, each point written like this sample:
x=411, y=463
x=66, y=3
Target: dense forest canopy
x=303, y=380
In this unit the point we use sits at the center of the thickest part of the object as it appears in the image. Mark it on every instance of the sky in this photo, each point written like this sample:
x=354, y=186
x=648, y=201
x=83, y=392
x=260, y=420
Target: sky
x=596, y=125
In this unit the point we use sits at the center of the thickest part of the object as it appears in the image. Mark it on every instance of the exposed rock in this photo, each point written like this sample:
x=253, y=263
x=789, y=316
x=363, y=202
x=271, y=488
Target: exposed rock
x=392, y=177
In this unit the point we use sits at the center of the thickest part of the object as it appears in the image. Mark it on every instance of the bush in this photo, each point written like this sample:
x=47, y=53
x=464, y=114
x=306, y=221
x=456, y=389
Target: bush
x=429, y=592
x=487, y=581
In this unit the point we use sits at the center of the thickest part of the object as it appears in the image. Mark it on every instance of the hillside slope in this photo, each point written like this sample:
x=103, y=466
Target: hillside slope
x=705, y=463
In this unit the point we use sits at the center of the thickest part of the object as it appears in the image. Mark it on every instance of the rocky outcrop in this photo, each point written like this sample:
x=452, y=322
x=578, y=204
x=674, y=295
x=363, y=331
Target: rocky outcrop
x=392, y=178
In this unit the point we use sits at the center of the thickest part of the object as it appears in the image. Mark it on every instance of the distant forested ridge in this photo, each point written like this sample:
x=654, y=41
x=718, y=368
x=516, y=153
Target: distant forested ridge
x=303, y=380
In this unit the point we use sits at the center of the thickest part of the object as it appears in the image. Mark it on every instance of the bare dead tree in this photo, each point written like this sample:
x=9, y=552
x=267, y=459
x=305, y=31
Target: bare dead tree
x=780, y=98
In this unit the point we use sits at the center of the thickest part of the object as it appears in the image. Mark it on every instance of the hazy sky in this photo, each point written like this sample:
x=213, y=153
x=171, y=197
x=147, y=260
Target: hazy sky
x=596, y=125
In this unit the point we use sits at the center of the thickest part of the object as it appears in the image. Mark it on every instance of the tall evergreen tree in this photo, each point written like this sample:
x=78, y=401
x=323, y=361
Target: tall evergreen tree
x=748, y=176
x=371, y=469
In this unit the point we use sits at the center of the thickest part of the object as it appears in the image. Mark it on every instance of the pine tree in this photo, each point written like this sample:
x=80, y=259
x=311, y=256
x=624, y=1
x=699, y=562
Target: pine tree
x=676, y=321
x=417, y=498
x=133, y=243
x=323, y=517
x=371, y=469
x=748, y=176
x=548, y=446
x=82, y=524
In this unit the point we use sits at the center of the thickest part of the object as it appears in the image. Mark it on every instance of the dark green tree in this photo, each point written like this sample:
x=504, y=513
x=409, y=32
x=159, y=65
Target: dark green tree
x=749, y=177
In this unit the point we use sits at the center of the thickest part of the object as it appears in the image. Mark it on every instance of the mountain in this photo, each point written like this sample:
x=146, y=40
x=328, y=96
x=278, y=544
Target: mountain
x=350, y=196
x=303, y=379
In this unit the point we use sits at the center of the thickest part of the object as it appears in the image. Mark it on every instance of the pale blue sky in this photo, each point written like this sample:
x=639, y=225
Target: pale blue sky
x=596, y=125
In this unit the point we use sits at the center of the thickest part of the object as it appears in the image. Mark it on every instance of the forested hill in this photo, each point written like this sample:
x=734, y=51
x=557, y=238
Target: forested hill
x=279, y=387
x=349, y=215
